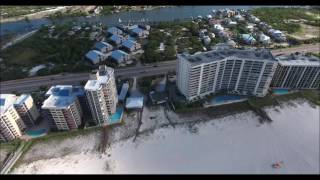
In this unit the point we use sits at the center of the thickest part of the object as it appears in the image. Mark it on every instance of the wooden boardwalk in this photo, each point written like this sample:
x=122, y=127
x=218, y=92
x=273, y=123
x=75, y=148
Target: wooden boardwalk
x=105, y=135
x=139, y=124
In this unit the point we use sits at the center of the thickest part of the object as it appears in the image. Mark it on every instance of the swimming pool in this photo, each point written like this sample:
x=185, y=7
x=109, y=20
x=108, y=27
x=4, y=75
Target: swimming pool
x=36, y=133
x=117, y=116
x=280, y=91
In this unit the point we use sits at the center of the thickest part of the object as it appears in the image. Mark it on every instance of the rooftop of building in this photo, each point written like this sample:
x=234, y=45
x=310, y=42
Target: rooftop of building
x=113, y=30
x=128, y=44
x=137, y=30
x=64, y=90
x=220, y=54
x=118, y=54
x=298, y=60
x=93, y=54
x=124, y=91
x=103, y=75
x=134, y=102
x=62, y=96
x=6, y=101
x=100, y=45
x=21, y=99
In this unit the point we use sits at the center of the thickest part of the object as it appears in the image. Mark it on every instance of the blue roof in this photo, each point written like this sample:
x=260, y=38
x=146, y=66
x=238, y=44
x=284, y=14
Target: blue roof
x=101, y=45
x=63, y=92
x=137, y=30
x=21, y=99
x=114, y=30
x=93, y=56
x=115, y=37
x=132, y=39
x=128, y=44
x=2, y=101
x=124, y=91
x=118, y=54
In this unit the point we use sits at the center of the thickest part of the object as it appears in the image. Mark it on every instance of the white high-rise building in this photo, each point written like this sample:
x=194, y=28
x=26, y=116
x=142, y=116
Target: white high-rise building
x=62, y=108
x=245, y=72
x=11, y=124
x=297, y=71
x=27, y=110
x=102, y=95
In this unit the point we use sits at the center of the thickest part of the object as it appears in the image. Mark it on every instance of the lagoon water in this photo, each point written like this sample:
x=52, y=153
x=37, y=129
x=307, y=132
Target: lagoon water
x=156, y=15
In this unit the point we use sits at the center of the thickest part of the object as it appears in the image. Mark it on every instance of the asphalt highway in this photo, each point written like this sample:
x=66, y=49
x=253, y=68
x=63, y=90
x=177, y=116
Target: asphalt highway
x=33, y=83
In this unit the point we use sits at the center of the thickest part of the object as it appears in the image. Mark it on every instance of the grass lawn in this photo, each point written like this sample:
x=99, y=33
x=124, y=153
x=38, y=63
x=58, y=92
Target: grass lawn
x=13, y=11
x=261, y=102
x=257, y=102
x=276, y=17
x=66, y=134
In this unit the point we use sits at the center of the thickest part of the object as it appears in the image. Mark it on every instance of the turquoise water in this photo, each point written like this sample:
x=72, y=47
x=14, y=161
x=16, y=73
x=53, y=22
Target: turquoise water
x=226, y=98
x=116, y=117
x=280, y=91
x=36, y=133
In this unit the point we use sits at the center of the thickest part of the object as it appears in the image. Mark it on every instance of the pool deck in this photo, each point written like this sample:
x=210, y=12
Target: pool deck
x=117, y=116
x=278, y=92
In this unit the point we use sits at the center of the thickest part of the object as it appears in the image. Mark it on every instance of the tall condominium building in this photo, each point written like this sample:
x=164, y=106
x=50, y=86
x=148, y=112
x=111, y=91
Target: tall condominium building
x=11, y=125
x=27, y=110
x=62, y=108
x=102, y=95
x=246, y=72
x=297, y=71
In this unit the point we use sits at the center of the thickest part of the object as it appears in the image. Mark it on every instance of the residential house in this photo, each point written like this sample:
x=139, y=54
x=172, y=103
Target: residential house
x=76, y=28
x=208, y=16
x=202, y=32
x=119, y=56
x=277, y=35
x=214, y=21
x=250, y=27
x=139, y=32
x=94, y=35
x=114, y=31
x=144, y=26
x=117, y=39
x=206, y=40
x=253, y=19
x=103, y=47
x=218, y=27
x=95, y=56
x=248, y=39
x=264, y=26
x=131, y=45
x=239, y=18
x=264, y=39
x=223, y=34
